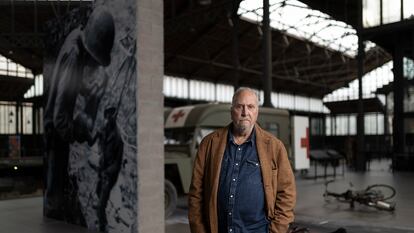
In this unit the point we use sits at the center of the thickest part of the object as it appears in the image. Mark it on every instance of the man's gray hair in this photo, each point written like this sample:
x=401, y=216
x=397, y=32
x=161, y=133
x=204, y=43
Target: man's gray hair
x=242, y=89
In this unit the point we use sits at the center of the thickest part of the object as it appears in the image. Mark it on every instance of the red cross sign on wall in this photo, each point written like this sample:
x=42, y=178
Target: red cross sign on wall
x=304, y=142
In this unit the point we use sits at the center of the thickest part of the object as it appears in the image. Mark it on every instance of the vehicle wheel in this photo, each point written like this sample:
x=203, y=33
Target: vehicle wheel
x=170, y=198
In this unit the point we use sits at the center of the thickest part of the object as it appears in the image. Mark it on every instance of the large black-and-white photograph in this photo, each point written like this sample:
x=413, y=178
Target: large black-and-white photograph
x=90, y=117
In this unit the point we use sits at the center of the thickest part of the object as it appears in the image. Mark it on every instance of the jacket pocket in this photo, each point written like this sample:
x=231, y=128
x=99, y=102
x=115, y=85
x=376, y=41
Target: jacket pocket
x=275, y=172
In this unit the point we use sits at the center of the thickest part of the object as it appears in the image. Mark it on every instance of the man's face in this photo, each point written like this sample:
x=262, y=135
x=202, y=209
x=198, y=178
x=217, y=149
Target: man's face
x=244, y=111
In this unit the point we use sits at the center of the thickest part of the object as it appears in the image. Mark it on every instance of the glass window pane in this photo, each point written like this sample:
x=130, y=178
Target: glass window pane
x=352, y=125
x=342, y=125
x=274, y=98
x=409, y=100
x=391, y=11
x=380, y=124
x=316, y=126
x=408, y=9
x=301, y=103
x=371, y=13
x=328, y=126
x=286, y=101
x=374, y=124
x=408, y=68
x=27, y=120
x=368, y=124
x=11, y=119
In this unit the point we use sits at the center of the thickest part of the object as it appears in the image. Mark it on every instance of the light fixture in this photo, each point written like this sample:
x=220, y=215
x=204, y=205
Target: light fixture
x=308, y=48
x=230, y=21
x=259, y=30
x=286, y=40
x=204, y=2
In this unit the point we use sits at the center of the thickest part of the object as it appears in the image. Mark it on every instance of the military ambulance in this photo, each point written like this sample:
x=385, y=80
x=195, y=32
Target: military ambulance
x=185, y=127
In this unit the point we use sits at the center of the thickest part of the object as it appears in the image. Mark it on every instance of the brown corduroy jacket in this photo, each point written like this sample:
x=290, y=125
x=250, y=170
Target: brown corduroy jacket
x=278, y=182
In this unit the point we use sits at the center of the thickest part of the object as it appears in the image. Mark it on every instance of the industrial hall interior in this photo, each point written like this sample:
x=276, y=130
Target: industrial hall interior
x=104, y=105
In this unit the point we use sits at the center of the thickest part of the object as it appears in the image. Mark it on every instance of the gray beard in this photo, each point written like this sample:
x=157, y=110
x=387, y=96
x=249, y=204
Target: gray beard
x=240, y=129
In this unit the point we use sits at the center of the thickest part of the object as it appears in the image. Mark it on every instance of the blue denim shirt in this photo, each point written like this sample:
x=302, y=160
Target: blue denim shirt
x=241, y=199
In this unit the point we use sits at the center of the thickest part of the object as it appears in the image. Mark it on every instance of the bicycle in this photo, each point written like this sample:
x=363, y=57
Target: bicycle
x=375, y=196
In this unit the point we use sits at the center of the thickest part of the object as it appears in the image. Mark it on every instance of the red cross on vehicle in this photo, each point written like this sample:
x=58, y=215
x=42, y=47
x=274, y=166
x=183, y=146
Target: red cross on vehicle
x=178, y=115
x=304, y=142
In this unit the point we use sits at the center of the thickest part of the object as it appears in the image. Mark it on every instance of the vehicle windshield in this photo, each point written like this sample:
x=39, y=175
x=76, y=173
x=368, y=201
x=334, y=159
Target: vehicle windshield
x=178, y=136
x=202, y=133
x=184, y=136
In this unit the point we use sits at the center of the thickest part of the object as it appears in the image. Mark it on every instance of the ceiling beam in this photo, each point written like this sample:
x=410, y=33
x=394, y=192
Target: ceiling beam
x=247, y=70
x=219, y=51
x=21, y=40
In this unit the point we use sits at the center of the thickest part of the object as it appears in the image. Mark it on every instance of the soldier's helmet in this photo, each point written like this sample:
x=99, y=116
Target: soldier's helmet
x=98, y=35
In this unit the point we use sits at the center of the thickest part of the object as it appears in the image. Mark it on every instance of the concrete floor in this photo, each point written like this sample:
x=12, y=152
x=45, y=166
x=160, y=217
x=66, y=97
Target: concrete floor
x=25, y=216
x=312, y=211
x=312, y=208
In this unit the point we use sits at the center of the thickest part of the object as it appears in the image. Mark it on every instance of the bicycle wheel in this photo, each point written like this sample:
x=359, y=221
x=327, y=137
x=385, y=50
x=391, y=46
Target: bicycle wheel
x=380, y=192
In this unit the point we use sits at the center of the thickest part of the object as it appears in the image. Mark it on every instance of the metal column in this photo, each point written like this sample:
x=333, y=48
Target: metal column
x=267, y=55
x=360, y=159
x=398, y=90
x=234, y=21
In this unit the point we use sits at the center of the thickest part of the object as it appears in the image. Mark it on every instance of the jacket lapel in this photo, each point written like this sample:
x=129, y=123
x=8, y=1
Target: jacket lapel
x=218, y=147
x=217, y=151
x=265, y=158
x=263, y=151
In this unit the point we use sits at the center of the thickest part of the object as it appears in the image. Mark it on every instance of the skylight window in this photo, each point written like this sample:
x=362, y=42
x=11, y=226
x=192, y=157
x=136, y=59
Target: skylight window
x=299, y=20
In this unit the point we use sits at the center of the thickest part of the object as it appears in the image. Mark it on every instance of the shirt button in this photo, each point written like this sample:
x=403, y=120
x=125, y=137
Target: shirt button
x=234, y=179
x=230, y=230
x=237, y=164
x=229, y=213
x=239, y=148
x=231, y=196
